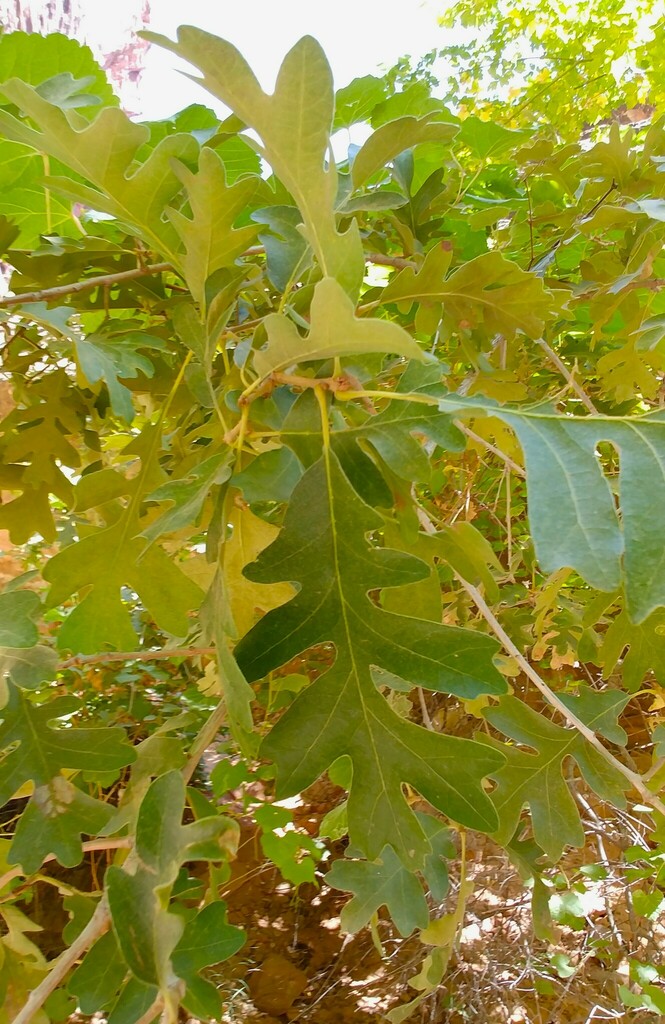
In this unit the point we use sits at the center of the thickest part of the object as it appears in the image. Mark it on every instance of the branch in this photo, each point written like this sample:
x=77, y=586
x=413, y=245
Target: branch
x=47, y=294
x=150, y=1014
x=105, y=280
x=99, y=923
x=158, y=655
x=381, y=260
x=635, y=780
x=124, y=843
x=565, y=372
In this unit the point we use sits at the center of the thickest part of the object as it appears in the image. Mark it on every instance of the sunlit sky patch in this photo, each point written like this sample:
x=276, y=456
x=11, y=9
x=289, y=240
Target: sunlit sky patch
x=359, y=37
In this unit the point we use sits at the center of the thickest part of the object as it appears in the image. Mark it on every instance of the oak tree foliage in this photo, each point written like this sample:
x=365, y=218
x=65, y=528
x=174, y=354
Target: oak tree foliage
x=363, y=447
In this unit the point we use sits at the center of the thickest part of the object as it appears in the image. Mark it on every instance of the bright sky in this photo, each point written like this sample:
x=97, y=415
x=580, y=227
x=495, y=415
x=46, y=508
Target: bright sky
x=359, y=37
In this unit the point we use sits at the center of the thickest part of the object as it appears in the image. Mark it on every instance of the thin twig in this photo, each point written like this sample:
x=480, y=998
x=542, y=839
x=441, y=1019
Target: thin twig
x=654, y=769
x=491, y=448
x=157, y=655
x=550, y=696
x=378, y=258
x=567, y=375
x=604, y=860
x=427, y=721
x=104, y=280
x=150, y=1014
x=94, y=845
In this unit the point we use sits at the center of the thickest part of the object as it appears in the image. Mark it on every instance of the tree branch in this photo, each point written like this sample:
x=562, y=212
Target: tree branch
x=380, y=260
x=99, y=923
x=104, y=280
x=158, y=655
x=124, y=843
x=635, y=780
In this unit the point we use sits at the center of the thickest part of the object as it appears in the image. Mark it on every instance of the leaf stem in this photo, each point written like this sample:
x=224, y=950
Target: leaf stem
x=325, y=422
x=137, y=496
x=635, y=780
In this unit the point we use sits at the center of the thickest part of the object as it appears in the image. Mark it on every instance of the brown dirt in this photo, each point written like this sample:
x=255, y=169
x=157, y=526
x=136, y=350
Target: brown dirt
x=499, y=972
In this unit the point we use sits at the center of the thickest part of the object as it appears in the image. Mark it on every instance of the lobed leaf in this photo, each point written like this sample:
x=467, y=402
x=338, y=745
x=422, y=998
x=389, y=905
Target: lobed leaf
x=323, y=547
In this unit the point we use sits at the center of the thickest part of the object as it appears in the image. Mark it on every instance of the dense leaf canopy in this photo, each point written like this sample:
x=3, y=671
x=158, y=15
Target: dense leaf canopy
x=366, y=460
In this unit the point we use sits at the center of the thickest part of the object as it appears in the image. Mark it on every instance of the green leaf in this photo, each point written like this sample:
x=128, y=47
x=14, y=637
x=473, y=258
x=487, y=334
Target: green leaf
x=647, y=904
x=269, y=477
x=335, y=331
x=489, y=292
x=391, y=432
x=103, y=153
x=208, y=939
x=188, y=495
x=40, y=750
x=393, y=138
x=654, y=208
x=40, y=59
x=210, y=240
x=470, y=554
x=18, y=610
x=294, y=125
x=599, y=709
x=96, y=980
x=238, y=695
x=567, y=909
x=572, y=512
x=147, y=932
x=571, y=507
x=107, y=358
x=287, y=252
x=29, y=204
x=634, y=649
x=295, y=854
x=323, y=547
x=53, y=823
x=356, y=101
x=537, y=778
x=103, y=562
x=27, y=667
x=489, y=138
x=133, y=1002
x=385, y=882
